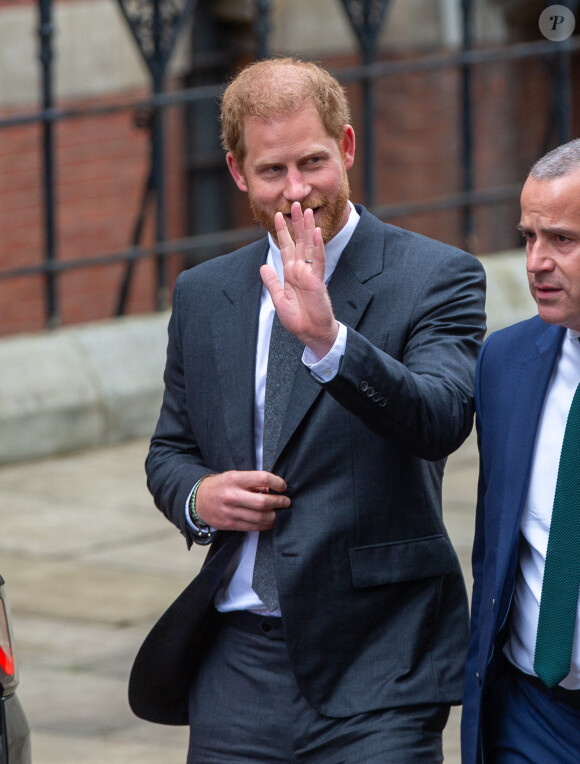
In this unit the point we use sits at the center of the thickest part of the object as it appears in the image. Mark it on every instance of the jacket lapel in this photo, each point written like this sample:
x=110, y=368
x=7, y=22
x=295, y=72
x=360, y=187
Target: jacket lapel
x=235, y=335
x=529, y=391
x=361, y=259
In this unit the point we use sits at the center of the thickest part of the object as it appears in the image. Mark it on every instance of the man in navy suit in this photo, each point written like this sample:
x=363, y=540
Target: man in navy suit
x=329, y=621
x=526, y=379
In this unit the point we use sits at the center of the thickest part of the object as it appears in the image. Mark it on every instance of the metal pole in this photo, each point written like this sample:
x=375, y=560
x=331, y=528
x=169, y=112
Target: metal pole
x=563, y=90
x=136, y=238
x=467, y=225
x=369, y=139
x=262, y=28
x=45, y=32
x=164, y=28
x=158, y=158
x=366, y=19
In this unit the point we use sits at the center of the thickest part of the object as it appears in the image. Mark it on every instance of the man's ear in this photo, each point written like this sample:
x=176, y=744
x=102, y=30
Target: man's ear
x=236, y=171
x=348, y=146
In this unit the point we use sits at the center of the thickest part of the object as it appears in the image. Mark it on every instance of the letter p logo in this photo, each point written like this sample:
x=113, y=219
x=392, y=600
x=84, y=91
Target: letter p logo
x=557, y=23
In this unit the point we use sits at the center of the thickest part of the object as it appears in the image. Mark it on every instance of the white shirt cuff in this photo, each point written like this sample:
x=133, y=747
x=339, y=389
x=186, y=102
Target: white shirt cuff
x=325, y=369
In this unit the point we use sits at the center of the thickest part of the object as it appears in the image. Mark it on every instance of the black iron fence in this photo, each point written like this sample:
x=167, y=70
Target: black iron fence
x=368, y=75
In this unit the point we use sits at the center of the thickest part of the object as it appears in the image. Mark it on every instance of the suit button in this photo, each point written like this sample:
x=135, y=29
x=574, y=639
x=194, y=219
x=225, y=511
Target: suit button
x=493, y=605
x=364, y=386
x=383, y=402
x=376, y=397
x=478, y=678
x=370, y=391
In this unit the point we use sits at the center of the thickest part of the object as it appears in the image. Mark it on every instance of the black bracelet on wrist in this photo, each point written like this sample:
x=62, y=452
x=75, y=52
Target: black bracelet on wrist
x=204, y=534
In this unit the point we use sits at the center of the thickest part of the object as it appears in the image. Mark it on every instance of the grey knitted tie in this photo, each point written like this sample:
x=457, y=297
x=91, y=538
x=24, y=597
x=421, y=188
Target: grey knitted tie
x=283, y=356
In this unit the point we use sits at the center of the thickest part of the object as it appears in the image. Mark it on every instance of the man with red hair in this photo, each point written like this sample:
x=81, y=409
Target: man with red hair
x=315, y=382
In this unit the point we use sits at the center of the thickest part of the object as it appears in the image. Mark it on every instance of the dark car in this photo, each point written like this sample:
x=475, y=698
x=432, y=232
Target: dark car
x=14, y=729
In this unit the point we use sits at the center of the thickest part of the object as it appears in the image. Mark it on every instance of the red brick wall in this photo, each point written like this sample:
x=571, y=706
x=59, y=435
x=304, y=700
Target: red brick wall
x=9, y=3
x=102, y=162
x=418, y=144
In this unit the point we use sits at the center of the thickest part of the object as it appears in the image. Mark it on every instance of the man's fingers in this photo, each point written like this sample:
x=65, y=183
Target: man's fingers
x=270, y=280
x=241, y=500
x=313, y=244
x=259, y=490
x=319, y=255
x=287, y=248
x=301, y=233
x=253, y=522
x=274, y=482
x=309, y=244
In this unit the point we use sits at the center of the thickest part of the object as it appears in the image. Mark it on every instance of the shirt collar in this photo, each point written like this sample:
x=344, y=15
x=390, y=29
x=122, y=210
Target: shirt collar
x=333, y=249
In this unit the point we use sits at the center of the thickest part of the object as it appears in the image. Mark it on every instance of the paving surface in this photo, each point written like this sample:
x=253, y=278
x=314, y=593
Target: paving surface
x=90, y=564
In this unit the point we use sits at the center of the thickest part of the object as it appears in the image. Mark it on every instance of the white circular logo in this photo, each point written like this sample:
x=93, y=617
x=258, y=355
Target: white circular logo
x=557, y=23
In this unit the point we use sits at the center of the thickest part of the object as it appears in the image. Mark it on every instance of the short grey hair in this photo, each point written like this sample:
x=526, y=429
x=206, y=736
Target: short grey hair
x=562, y=160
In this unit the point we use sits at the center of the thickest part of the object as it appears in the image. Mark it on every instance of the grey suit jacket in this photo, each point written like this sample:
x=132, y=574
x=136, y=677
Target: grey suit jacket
x=372, y=596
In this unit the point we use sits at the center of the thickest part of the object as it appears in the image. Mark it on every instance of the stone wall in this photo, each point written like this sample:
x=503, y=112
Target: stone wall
x=82, y=387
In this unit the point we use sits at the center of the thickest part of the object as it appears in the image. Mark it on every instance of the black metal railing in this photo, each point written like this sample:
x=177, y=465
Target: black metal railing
x=367, y=75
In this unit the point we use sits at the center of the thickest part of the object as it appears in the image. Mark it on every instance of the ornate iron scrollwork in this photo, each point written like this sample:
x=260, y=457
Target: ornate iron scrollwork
x=366, y=18
x=155, y=25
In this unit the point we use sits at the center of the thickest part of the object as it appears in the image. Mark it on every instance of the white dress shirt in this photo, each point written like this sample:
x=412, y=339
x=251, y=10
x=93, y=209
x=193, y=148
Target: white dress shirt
x=537, y=514
x=236, y=593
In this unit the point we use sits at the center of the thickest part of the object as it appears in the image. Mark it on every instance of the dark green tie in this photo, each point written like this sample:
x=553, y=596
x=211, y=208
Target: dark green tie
x=559, y=600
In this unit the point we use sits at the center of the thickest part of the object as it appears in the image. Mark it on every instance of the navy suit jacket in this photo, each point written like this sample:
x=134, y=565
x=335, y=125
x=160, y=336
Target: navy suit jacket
x=513, y=373
x=372, y=596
